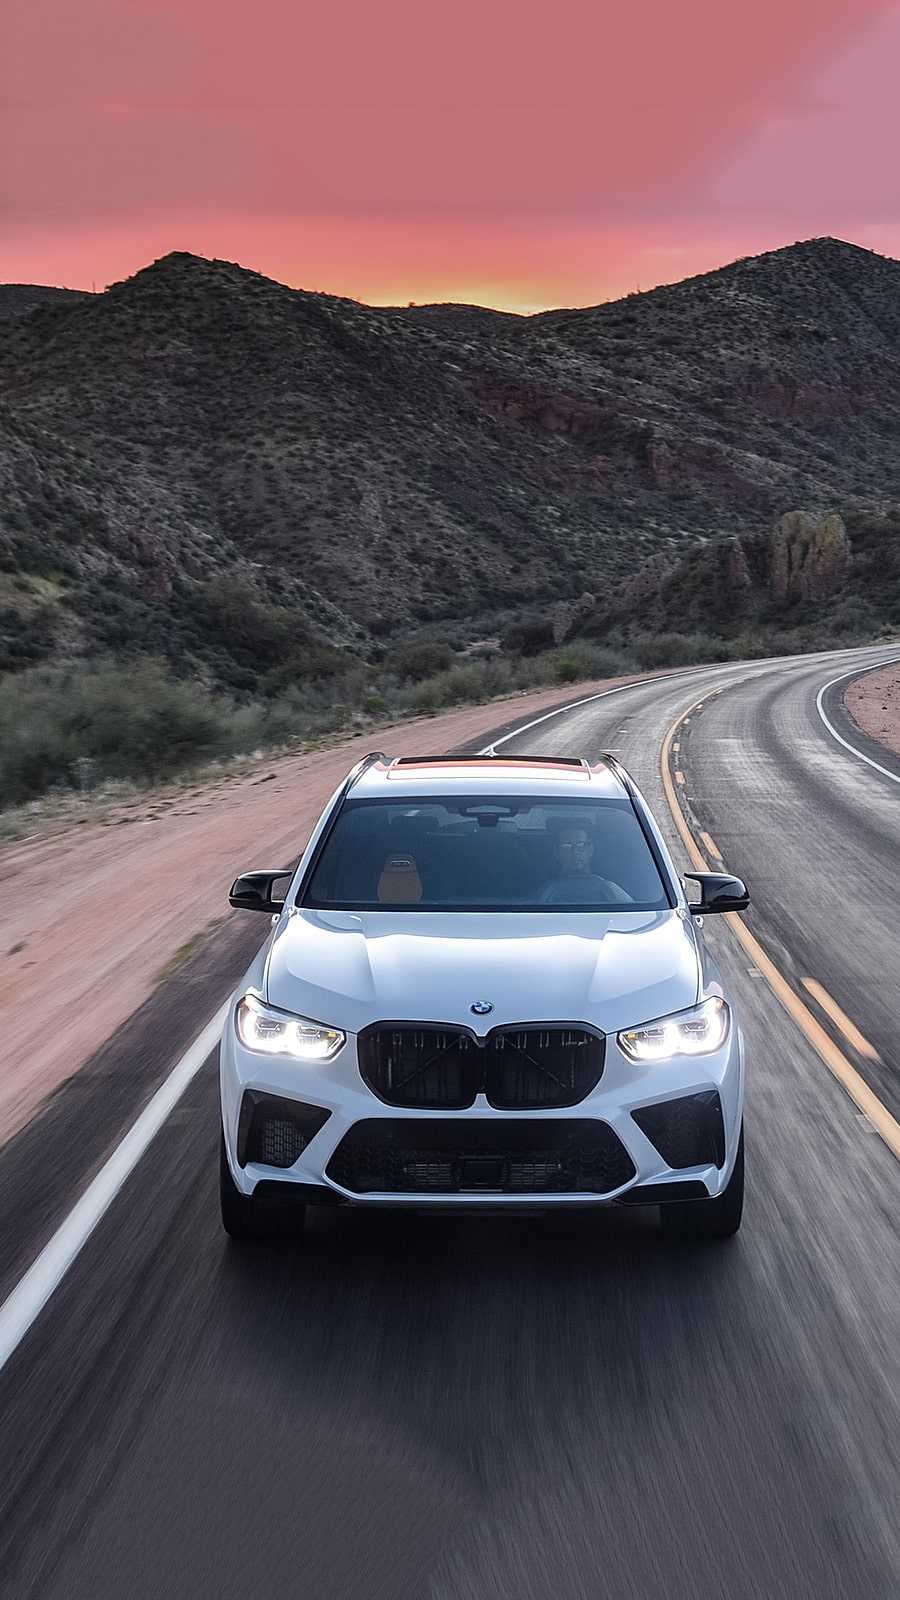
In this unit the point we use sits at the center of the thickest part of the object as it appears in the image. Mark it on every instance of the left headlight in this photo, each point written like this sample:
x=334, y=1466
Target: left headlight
x=276, y=1033
x=688, y=1033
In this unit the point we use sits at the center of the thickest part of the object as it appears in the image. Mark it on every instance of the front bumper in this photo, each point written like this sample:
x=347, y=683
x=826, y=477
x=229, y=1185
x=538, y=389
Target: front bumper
x=646, y=1147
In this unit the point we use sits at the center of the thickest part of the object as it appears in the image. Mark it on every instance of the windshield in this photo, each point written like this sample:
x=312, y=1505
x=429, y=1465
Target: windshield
x=486, y=853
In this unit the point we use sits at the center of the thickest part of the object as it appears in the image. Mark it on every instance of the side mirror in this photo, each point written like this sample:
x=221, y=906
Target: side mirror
x=718, y=892
x=254, y=891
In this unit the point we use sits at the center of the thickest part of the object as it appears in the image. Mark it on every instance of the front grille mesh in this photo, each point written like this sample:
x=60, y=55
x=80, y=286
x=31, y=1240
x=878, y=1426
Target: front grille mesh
x=438, y=1068
x=280, y=1143
x=480, y=1156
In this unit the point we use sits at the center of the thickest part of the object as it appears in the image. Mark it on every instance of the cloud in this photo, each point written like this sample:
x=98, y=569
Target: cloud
x=579, y=111
x=833, y=154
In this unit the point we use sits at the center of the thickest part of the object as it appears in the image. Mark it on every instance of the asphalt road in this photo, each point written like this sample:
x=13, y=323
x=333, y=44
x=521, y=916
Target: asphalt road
x=423, y=1408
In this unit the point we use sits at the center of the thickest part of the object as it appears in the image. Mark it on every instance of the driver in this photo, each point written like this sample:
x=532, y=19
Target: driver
x=573, y=854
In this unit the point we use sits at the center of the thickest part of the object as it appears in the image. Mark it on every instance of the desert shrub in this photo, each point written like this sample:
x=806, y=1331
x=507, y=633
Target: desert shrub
x=141, y=723
x=25, y=637
x=416, y=659
x=580, y=660
x=453, y=687
x=677, y=649
x=530, y=636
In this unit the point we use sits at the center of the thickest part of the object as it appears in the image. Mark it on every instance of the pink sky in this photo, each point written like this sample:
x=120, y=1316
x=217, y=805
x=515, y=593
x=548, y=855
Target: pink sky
x=504, y=153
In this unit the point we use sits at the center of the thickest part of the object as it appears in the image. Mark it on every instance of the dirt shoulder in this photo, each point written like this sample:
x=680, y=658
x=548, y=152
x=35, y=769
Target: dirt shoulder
x=97, y=916
x=873, y=702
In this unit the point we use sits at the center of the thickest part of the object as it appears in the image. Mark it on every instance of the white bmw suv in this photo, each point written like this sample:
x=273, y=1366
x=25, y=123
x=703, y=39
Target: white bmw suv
x=484, y=986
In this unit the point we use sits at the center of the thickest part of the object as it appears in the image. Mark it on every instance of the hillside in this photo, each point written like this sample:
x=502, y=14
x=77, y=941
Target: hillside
x=18, y=299
x=204, y=464
x=807, y=583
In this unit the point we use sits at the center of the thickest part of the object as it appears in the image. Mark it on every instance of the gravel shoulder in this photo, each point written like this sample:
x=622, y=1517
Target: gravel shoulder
x=873, y=702
x=96, y=917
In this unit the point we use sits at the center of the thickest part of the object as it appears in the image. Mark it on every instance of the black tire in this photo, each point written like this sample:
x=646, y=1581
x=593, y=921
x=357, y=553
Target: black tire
x=710, y=1219
x=246, y=1218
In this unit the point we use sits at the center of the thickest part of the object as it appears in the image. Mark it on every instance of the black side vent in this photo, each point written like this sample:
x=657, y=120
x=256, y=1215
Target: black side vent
x=687, y=1132
x=275, y=1131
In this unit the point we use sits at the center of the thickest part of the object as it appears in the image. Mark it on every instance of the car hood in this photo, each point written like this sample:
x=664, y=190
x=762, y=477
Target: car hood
x=353, y=968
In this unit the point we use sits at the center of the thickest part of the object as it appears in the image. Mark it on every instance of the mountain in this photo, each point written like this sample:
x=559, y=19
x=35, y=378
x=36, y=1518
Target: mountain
x=204, y=464
x=17, y=299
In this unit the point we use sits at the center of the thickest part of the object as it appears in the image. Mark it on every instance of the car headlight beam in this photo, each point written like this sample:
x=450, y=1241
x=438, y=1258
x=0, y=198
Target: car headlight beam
x=688, y=1033
x=277, y=1033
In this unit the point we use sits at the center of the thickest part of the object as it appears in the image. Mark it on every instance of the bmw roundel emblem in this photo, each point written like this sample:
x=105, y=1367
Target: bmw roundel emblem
x=481, y=1007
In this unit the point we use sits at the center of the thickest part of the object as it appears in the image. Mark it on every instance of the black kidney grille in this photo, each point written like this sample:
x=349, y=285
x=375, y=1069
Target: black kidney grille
x=427, y=1067
x=480, y=1156
x=530, y=1067
x=526, y=1068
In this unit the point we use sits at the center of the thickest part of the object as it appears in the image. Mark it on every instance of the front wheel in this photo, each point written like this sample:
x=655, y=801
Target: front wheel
x=246, y=1218
x=718, y=1218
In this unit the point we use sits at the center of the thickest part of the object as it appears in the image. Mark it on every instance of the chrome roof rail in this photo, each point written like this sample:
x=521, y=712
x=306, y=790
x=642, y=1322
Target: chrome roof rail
x=361, y=766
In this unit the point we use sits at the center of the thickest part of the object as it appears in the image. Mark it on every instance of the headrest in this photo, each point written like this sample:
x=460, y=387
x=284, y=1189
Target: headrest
x=564, y=824
x=399, y=883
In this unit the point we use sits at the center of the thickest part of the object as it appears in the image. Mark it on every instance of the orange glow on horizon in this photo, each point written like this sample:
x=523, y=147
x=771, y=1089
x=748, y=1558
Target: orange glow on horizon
x=507, y=269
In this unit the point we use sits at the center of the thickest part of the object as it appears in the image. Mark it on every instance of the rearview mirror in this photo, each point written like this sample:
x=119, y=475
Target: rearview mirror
x=719, y=891
x=254, y=891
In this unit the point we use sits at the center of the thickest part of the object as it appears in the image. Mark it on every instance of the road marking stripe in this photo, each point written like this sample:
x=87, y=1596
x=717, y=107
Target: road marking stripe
x=833, y=730
x=664, y=677
x=33, y=1291
x=840, y=1019
x=836, y=1062
x=679, y=778
x=633, y=683
x=709, y=844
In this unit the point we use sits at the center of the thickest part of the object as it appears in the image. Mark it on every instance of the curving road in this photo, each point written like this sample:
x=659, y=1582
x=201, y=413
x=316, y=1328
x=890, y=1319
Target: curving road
x=420, y=1409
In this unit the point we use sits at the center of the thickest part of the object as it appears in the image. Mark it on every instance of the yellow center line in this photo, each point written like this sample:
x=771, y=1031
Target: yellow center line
x=825, y=1047
x=840, y=1019
x=679, y=777
x=709, y=844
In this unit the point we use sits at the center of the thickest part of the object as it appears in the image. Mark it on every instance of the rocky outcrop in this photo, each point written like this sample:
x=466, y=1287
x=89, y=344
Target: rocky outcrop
x=723, y=585
x=643, y=588
x=566, y=615
x=557, y=413
x=808, y=560
x=737, y=568
x=662, y=463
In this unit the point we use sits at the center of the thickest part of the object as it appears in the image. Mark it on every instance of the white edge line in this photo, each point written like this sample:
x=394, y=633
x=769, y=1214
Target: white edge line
x=32, y=1292
x=833, y=730
x=573, y=705
x=666, y=677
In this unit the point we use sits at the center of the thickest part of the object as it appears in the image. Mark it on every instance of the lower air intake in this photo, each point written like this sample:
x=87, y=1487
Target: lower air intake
x=687, y=1132
x=275, y=1131
x=480, y=1156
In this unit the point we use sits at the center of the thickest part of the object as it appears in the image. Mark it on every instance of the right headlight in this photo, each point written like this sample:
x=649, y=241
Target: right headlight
x=277, y=1033
x=688, y=1033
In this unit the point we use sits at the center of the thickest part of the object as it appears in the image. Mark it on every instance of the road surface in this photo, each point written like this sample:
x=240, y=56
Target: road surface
x=421, y=1408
